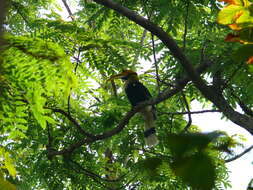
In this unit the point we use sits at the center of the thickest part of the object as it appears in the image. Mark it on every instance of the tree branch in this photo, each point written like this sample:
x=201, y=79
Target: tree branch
x=186, y=112
x=186, y=24
x=239, y=155
x=202, y=51
x=92, y=174
x=50, y=138
x=3, y=8
x=189, y=114
x=89, y=174
x=156, y=64
x=68, y=9
x=243, y=106
x=70, y=118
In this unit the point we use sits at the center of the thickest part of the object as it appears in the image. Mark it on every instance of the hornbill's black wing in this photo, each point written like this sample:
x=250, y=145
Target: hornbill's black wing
x=137, y=92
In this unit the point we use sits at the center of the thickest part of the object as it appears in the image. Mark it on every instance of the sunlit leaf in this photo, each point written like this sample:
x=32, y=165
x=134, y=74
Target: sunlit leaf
x=8, y=162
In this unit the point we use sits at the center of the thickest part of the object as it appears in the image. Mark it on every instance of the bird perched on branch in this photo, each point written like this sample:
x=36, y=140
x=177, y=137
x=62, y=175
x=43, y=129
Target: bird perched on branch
x=136, y=93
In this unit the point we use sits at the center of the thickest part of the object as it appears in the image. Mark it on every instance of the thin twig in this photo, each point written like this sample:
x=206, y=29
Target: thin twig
x=189, y=113
x=50, y=138
x=90, y=173
x=186, y=24
x=75, y=70
x=244, y=107
x=186, y=112
x=114, y=88
x=171, y=123
x=69, y=104
x=239, y=155
x=156, y=64
x=70, y=118
x=202, y=50
x=68, y=9
x=94, y=96
x=78, y=61
x=91, y=176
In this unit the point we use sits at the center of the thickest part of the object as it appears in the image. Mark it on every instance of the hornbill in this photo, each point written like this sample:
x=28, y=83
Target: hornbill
x=136, y=92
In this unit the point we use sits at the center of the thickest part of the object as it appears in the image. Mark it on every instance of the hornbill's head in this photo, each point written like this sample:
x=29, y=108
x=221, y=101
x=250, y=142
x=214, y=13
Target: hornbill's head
x=124, y=75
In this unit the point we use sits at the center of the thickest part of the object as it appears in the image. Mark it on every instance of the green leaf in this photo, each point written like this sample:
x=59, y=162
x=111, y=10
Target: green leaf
x=150, y=167
x=8, y=162
x=50, y=120
x=17, y=134
x=181, y=144
x=197, y=170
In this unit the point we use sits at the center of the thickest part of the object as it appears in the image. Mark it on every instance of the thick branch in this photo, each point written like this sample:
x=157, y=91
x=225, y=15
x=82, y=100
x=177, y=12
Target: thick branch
x=3, y=7
x=210, y=93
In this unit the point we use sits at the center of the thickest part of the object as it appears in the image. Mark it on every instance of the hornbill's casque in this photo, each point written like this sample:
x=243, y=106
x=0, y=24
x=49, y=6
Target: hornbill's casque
x=136, y=92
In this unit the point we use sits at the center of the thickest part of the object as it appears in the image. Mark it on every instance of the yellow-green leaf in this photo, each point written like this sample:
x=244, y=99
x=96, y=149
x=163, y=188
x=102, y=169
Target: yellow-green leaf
x=9, y=164
x=229, y=14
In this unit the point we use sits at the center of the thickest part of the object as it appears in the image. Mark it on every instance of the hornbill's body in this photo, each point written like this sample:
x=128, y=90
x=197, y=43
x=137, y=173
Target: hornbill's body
x=136, y=92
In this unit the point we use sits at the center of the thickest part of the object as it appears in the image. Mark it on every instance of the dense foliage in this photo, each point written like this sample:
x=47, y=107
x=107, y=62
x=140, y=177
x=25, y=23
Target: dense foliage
x=64, y=127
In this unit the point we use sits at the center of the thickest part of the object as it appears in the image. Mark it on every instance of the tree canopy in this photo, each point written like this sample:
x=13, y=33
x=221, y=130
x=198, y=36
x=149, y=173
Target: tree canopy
x=64, y=126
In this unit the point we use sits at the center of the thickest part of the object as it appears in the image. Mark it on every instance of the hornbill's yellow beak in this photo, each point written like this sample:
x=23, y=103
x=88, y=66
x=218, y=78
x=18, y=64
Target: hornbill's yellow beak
x=121, y=75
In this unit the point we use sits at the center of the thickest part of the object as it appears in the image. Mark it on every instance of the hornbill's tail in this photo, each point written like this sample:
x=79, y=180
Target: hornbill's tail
x=149, y=125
